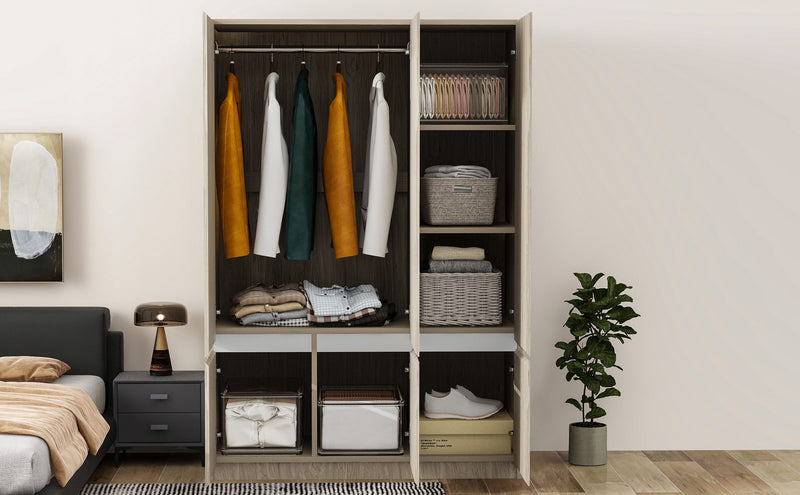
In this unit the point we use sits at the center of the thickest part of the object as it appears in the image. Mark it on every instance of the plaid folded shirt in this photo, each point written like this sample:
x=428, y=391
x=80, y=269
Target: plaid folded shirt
x=340, y=303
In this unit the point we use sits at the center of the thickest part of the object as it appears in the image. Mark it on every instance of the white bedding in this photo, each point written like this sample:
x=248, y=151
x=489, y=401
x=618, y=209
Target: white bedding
x=25, y=460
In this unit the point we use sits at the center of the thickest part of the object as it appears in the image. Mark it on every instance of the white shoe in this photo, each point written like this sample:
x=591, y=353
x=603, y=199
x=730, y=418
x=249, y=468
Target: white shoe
x=469, y=395
x=456, y=405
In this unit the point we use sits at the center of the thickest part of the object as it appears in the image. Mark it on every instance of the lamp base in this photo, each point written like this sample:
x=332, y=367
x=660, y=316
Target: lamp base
x=160, y=364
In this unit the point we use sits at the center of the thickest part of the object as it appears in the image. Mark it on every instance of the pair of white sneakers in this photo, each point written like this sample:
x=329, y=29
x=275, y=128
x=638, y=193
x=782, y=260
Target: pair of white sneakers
x=459, y=403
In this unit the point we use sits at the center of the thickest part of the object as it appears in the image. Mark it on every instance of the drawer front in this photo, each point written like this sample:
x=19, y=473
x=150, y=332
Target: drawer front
x=155, y=397
x=160, y=428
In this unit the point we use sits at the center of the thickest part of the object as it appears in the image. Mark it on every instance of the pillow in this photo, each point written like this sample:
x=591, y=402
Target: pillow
x=31, y=369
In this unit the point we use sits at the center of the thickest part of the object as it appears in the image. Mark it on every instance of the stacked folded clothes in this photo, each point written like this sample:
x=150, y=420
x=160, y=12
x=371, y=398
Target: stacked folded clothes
x=448, y=259
x=457, y=172
x=260, y=305
x=338, y=306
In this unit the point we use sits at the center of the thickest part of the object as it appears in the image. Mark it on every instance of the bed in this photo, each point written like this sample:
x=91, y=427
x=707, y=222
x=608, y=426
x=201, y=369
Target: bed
x=80, y=337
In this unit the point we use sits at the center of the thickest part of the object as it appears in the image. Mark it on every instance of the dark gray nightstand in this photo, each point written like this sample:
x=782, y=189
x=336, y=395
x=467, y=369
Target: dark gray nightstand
x=158, y=411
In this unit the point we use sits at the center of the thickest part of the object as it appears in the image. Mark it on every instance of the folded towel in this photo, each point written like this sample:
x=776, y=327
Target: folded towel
x=457, y=253
x=472, y=170
x=460, y=266
x=455, y=175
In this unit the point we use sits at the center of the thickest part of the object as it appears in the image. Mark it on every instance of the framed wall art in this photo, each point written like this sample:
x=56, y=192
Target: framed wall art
x=31, y=215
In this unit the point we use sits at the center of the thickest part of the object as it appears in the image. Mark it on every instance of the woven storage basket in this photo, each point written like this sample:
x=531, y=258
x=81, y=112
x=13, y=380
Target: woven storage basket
x=460, y=299
x=458, y=201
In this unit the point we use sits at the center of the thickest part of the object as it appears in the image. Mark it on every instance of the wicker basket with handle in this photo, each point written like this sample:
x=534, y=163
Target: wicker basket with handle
x=446, y=201
x=461, y=299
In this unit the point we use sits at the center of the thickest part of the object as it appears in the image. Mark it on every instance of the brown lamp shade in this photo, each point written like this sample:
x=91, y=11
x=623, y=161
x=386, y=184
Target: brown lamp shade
x=160, y=314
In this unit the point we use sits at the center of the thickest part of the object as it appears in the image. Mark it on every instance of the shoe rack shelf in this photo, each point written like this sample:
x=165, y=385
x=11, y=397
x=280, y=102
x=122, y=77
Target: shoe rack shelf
x=494, y=360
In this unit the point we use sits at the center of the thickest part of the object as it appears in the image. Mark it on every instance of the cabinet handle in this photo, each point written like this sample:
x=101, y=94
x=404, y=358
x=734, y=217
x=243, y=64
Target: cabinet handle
x=159, y=427
x=159, y=396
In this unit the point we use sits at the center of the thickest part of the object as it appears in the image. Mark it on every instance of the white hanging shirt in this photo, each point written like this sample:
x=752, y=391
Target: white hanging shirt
x=274, y=175
x=380, y=175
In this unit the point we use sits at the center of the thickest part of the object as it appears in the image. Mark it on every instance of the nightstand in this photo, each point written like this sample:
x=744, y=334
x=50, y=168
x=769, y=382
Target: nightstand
x=158, y=411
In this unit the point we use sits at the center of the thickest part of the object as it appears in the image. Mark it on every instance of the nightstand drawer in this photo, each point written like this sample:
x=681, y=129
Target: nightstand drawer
x=159, y=397
x=159, y=428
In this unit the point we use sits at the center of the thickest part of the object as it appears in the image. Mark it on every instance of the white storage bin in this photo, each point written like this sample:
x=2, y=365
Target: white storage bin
x=261, y=419
x=361, y=420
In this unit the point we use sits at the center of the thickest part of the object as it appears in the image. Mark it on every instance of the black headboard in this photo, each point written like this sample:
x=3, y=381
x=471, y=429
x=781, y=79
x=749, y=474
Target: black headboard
x=78, y=336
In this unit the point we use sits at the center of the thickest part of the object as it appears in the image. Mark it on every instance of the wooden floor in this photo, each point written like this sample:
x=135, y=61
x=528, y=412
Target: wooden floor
x=627, y=473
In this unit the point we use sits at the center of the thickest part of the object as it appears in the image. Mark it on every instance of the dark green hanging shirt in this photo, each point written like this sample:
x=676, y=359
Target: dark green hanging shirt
x=302, y=194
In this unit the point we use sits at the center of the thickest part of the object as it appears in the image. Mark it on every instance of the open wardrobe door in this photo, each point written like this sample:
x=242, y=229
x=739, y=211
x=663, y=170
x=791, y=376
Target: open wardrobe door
x=414, y=252
x=209, y=200
x=523, y=89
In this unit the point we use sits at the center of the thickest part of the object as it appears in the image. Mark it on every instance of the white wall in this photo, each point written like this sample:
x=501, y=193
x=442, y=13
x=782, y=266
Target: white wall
x=665, y=153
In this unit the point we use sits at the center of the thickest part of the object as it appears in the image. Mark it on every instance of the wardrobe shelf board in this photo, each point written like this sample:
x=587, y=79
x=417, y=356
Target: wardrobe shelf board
x=467, y=127
x=307, y=457
x=499, y=228
x=467, y=458
x=468, y=342
x=224, y=326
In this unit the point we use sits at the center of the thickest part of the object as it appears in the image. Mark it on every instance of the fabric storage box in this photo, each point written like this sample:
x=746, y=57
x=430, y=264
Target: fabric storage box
x=360, y=420
x=461, y=299
x=445, y=201
x=261, y=418
x=490, y=436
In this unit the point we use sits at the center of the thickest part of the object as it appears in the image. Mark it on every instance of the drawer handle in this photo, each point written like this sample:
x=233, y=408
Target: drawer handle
x=159, y=396
x=462, y=189
x=159, y=427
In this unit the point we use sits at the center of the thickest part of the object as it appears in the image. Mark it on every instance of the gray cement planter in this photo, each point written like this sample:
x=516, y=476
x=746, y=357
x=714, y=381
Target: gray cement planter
x=587, y=445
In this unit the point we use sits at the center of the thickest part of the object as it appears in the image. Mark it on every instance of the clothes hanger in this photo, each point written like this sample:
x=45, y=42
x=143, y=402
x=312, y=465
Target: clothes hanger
x=379, y=65
x=338, y=61
x=303, y=52
x=232, y=68
x=271, y=58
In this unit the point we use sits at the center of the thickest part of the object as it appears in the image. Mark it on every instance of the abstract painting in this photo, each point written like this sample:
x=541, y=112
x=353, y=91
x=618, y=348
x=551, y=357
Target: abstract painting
x=31, y=216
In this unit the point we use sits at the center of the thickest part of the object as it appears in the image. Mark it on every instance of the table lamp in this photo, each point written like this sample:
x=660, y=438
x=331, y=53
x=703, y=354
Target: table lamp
x=160, y=314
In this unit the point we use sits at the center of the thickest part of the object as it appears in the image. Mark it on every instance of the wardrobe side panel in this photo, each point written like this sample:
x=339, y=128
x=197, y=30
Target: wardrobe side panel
x=413, y=189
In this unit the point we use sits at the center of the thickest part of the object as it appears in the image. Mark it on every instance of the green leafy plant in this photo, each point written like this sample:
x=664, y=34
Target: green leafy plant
x=597, y=316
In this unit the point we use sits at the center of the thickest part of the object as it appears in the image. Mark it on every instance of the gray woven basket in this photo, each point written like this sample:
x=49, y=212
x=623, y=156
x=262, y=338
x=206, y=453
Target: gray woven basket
x=461, y=299
x=458, y=201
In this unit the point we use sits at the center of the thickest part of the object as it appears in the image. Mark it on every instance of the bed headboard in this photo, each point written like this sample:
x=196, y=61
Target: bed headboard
x=78, y=336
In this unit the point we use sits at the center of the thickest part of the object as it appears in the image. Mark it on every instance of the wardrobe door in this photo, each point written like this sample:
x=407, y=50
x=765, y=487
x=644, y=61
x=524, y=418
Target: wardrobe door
x=522, y=107
x=209, y=201
x=413, y=417
x=413, y=183
x=522, y=415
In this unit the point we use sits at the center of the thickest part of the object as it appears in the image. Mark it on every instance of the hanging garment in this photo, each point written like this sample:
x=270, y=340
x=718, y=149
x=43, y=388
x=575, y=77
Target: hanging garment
x=302, y=193
x=274, y=175
x=337, y=172
x=380, y=174
x=230, y=175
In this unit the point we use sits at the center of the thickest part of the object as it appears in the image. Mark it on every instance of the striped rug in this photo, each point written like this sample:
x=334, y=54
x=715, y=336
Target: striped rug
x=394, y=488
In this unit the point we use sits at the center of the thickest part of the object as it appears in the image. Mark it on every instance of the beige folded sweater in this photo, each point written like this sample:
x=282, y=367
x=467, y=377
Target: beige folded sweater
x=457, y=253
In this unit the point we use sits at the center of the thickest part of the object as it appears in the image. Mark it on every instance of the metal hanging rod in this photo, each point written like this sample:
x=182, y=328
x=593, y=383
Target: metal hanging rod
x=308, y=49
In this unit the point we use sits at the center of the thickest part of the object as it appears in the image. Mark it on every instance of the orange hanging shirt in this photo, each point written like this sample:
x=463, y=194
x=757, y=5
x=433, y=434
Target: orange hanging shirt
x=231, y=196
x=337, y=173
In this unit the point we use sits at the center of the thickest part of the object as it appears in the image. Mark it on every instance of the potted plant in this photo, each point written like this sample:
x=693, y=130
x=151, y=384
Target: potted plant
x=596, y=318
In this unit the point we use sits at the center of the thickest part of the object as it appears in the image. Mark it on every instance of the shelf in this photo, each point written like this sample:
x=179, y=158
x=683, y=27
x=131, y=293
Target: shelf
x=480, y=340
x=500, y=228
x=225, y=326
x=467, y=127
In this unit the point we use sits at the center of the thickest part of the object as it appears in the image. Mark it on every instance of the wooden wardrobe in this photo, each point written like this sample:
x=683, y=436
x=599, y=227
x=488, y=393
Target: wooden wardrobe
x=495, y=361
